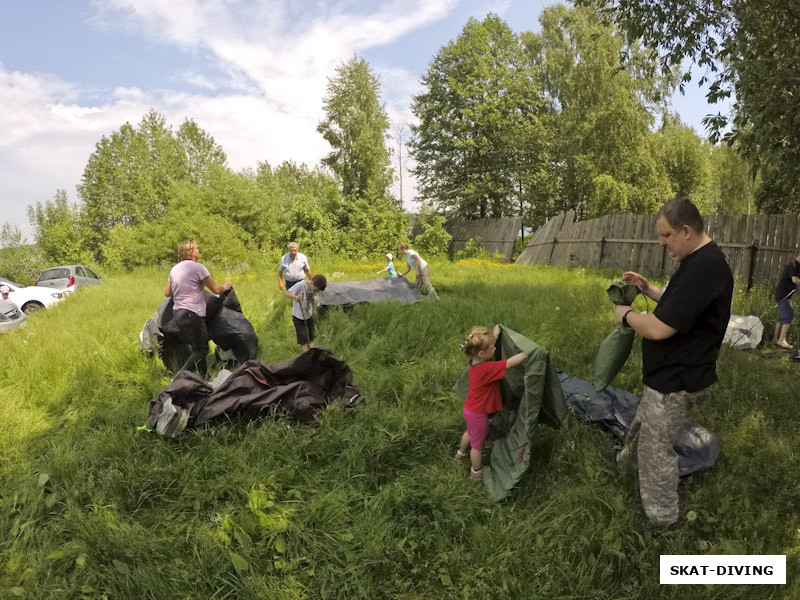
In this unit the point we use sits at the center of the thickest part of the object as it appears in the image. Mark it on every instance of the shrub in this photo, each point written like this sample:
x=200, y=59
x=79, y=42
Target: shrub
x=156, y=242
x=434, y=239
x=18, y=262
x=474, y=249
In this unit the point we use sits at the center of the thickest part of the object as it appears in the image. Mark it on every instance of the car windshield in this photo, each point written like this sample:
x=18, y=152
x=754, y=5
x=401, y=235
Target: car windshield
x=11, y=283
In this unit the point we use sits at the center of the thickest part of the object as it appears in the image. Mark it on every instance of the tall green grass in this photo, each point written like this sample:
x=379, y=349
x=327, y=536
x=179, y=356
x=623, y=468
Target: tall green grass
x=368, y=503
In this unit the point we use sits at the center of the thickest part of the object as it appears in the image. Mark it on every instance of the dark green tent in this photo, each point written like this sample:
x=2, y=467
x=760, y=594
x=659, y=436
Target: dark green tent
x=531, y=394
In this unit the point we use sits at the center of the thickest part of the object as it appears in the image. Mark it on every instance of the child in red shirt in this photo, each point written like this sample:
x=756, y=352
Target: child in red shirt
x=484, y=391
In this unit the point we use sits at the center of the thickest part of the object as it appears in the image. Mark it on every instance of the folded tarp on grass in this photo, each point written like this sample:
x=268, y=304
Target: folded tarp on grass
x=531, y=394
x=227, y=327
x=697, y=447
x=347, y=293
x=300, y=386
x=744, y=332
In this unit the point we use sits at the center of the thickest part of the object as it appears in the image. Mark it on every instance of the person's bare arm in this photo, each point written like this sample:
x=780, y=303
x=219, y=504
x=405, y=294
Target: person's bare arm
x=647, y=325
x=216, y=288
x=167, y=290
x=515, y=360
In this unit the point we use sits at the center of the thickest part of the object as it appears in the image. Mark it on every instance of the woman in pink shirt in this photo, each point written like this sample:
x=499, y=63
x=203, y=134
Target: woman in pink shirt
x=185, y=285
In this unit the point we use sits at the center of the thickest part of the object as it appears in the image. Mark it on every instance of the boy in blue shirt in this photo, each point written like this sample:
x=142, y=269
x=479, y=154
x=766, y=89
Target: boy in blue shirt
x=304, y=309
x=389, y=267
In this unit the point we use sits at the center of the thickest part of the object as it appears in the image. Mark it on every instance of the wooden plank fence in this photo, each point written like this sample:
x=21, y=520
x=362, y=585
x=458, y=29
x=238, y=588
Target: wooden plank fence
x=757, y=246
x=499, y=235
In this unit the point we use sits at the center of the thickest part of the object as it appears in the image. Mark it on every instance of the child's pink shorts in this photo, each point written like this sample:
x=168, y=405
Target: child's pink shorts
x=477, y=426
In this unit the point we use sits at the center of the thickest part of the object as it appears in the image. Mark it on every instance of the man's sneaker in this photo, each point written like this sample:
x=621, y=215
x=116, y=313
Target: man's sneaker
x=473, y=474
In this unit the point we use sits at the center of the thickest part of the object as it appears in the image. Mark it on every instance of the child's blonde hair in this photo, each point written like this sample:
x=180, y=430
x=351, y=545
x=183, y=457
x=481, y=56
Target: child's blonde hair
x=477, y=340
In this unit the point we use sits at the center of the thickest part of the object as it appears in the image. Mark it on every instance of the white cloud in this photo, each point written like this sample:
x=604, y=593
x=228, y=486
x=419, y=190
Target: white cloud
x=197, y=80
x=274, y=56
x=285, y=50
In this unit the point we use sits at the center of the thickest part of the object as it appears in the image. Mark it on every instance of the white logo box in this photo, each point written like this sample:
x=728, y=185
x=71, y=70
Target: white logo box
x=723, y=569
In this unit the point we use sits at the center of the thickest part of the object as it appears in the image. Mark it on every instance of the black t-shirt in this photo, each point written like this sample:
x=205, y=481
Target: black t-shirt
x=697, y=302
x=785, y=283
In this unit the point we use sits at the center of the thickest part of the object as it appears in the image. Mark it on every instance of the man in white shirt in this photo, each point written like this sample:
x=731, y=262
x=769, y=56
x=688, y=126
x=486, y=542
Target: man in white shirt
x=295, y=266
x=421, y=269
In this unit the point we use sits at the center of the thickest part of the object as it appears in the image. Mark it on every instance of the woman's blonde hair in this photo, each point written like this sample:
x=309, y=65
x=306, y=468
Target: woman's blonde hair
x=477, y=340
x=185, y=249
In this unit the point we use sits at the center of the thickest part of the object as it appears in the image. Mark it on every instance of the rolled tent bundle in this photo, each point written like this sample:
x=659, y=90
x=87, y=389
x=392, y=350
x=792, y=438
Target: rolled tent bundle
x=616, y=348
x=227, y=327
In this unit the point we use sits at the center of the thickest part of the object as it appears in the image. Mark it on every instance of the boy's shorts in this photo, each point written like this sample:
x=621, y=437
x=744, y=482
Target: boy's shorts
x=304, y=330
x=785, y=312
x=477, y=427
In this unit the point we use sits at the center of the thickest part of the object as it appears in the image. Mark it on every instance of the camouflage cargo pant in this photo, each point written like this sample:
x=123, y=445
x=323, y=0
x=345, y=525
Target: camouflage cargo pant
x=423, y=282
x=651, y=439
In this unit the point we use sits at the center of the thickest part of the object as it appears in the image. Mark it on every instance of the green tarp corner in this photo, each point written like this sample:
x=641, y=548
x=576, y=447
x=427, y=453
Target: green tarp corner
x=531, y=394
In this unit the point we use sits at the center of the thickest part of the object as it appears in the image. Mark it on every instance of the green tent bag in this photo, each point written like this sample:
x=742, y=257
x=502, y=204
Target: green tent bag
x=616, y=348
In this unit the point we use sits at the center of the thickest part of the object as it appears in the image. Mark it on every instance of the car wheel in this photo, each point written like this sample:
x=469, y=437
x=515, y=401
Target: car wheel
x=32, y=307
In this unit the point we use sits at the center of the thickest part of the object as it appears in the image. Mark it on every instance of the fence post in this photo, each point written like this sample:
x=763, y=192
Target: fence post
x=602, y=247
x=751, y=268
x=552, y=250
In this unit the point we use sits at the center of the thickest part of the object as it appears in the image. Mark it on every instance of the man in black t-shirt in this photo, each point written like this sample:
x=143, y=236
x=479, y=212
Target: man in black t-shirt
x=790, y=278
x=680, y=345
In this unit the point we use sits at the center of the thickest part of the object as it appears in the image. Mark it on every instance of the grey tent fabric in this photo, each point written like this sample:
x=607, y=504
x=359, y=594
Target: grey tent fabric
x=613, y=408
x=531, y=394
x=339, y=293
x=227, y=327
x=300, y=386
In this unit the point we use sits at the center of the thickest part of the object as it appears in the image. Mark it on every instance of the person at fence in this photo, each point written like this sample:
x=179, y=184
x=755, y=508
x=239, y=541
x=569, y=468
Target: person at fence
x=185, y=285
x=680, y=345
x=421, y=269
x=389, y=267
x=790, y=279
x=293, y=267
x=483, y=397
x=304, y=309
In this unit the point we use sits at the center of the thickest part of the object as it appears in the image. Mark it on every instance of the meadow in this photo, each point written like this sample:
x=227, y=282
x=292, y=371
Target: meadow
x=368, y=503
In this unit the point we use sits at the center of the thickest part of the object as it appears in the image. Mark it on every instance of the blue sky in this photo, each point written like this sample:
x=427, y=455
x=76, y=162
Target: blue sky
x=251, y=73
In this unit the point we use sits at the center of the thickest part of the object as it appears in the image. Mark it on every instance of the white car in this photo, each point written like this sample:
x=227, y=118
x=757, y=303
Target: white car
x=30, y=298
x=10, y=316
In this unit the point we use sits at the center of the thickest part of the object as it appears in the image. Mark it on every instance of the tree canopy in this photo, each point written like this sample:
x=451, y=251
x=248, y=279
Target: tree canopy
x=748, y=51
x=127, y=178
x=604, y=155
x=356, y=127
x=480, y=141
